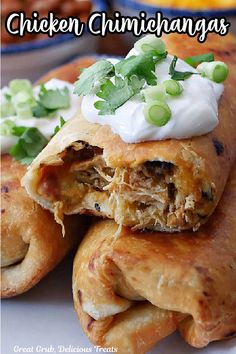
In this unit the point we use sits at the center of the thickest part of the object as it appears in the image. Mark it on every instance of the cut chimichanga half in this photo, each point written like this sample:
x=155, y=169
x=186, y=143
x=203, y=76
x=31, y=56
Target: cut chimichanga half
x=193, y=275
x=167, y=185
x=31, y=241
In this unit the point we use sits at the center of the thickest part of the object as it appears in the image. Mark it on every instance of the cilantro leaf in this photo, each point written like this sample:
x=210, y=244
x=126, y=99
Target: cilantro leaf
x=54, y=99
x=58, y=127
x=7, y=96
x=157, y=56
x=40, y=111
x=115, y=95
x=29, y=145
x=194, y=61
x=143, y=66
x=18, y=130
x=43, y=88
x=96, y=73
x=179, y=75
x=137, y=84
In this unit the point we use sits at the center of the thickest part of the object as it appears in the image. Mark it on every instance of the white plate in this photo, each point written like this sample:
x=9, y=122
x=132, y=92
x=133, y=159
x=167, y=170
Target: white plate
x=45, y=317
x=34, y=63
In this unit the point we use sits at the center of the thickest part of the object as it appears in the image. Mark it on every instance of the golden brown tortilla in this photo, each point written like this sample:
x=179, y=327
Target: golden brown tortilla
x=126, y=289
x=31, y=241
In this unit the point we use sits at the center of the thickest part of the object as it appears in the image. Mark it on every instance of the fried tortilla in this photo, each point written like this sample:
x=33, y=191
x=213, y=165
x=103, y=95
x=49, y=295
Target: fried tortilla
x=131, y=291
x=168, y=185
x=31, y=241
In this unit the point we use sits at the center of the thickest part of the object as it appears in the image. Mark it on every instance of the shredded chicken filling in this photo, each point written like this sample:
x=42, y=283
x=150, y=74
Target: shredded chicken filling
x=141, y=197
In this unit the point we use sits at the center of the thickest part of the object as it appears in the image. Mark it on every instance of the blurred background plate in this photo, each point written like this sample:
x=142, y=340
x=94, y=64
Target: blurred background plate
x=133, y=8
x=35, y=57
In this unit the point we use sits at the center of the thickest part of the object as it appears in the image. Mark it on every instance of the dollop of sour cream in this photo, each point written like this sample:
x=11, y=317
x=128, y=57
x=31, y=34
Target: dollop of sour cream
x=194, y=112
x=46, y=125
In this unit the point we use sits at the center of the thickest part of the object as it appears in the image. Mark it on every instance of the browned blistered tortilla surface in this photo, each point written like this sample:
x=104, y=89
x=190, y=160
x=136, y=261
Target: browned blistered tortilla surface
x=188, y=274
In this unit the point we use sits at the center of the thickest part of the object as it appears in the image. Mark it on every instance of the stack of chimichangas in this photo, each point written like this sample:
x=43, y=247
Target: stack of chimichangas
x=31, y=241
x=165, y=257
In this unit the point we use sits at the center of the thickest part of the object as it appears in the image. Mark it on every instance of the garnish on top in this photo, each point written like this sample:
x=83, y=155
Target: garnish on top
x=19, y=101
x=31, y=141
x=135, y=75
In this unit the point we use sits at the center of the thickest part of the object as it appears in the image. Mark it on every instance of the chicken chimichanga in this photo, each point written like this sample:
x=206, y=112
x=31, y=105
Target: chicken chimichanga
x=139, y=286
x=31, y=241
x=168, y=185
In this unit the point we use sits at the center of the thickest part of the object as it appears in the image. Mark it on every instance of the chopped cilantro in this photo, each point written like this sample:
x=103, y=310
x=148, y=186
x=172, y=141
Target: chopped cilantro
x=18, y=130
x=195, y=60
x=143, y=66
x=29, y=145
x=22, y=103
x=40, y=111
x=54, y=99
x=128, y=78
x=96, y=73
x=178, y=75
x=115, y=95
x=7, y=96
x=58, y=127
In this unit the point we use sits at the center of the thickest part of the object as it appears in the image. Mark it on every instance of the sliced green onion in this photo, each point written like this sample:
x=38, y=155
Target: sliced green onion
x=7, y=109
x=23, y=103
x=173, y=87
x=150, y=42
x=216, y=71
x=6, y=127
x=157, y=113
x=198, y=59
x=23, y=97
x=154, y=93
x=23, y=110
x=19, y=85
